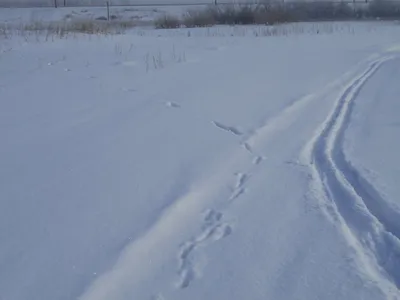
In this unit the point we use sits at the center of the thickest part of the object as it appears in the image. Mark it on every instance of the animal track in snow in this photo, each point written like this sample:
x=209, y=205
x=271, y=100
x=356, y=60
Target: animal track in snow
x=230, y=129
x=236, y=193
x=247, y=147
x=172, y=104
x=257, y=160
x=241, y=179
x=213, y=229
x=211, y=217
x=129, y=90
x=157, y=297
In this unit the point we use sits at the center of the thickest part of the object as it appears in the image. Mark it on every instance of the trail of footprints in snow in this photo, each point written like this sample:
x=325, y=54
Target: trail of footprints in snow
x=257, y=159
x=241, y=179
x=213, y=229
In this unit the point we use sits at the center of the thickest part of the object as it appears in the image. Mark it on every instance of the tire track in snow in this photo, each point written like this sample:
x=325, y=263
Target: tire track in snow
x=367, y=223
x=285, y=118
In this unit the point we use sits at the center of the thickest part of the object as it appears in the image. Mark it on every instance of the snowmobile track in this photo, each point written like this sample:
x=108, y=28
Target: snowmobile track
x=368, y=222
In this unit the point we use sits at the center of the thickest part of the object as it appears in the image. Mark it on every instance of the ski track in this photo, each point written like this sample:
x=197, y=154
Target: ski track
x=164, y=232
x=367, y=221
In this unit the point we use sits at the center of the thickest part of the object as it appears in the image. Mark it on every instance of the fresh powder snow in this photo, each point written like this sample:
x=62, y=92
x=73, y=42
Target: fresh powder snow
x=210, y=163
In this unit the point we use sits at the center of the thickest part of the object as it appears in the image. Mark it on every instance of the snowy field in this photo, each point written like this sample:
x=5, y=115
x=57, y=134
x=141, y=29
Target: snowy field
x=212, y=163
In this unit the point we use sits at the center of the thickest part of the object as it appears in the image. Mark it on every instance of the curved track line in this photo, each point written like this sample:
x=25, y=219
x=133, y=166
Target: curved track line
x=287, y=115
x=372, y=231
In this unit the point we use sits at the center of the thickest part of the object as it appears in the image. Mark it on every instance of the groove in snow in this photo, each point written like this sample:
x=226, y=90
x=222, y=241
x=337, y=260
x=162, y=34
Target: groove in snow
x=367, y=223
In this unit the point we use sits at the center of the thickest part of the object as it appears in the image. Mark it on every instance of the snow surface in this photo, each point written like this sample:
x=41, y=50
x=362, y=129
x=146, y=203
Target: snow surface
x=220, y=163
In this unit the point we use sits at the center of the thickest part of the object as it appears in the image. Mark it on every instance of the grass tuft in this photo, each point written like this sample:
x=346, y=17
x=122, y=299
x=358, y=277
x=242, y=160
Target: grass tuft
x=271, y=12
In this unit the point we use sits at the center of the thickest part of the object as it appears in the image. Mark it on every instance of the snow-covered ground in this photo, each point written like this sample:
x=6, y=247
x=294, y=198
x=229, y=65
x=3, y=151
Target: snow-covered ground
x=214, y=163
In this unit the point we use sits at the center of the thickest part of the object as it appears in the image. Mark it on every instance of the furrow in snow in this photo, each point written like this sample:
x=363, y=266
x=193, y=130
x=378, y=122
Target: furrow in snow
x=371, y=231
x=286, y=117
x=376, y=204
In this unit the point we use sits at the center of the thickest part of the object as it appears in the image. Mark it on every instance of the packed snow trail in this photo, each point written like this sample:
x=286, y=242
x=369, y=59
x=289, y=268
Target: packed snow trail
x=372, y=231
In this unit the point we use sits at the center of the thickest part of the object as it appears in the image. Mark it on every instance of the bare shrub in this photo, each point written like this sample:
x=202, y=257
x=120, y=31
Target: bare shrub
x=236, y=14
x=101, y=18
x=384, y=10
x=200, y=18
x=245, y=14
x=62, y=28
x=228, y=15
x=322, y=11
x=274, y=12
x=88, y=27
x=225, y=15
x=167, y=21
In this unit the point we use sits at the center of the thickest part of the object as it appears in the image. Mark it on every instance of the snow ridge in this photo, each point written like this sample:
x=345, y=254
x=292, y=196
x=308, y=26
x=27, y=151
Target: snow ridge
x=369, y=225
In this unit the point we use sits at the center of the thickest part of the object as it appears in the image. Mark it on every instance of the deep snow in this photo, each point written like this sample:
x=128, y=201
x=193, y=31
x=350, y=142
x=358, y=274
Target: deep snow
x=220, y=163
